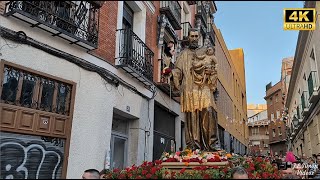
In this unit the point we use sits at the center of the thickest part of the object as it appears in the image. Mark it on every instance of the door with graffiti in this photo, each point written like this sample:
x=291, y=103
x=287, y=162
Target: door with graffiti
x=30, y=157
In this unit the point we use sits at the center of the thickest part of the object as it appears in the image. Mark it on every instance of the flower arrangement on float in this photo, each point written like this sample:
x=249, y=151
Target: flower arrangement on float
x=188, y=155
x=257, y=167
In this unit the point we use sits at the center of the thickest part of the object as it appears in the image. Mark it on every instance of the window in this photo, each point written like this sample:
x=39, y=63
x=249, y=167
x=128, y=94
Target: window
x=278, y=114
x=312, y=54
x=273, y=133
x=279, y=130
x=277, y=98
x=255, y=131
x=118, y=143
x=272, y=116
x=270, y=101
x=34, y=91
x=267, y=132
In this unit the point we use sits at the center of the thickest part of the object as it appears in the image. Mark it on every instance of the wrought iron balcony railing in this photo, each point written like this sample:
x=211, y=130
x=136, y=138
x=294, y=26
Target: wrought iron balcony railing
x=299, y=111
x=134, y=56
x=305, y=103
x=201, y=13
x=172, y=10
x=75, y=21
x=313, y=86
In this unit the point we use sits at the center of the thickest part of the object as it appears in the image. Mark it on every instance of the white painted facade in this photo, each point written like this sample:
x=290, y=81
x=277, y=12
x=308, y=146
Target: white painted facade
x=95, y=99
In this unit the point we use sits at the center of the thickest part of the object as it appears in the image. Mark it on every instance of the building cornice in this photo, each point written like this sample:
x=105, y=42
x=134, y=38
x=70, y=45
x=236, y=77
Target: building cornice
x=266, y=97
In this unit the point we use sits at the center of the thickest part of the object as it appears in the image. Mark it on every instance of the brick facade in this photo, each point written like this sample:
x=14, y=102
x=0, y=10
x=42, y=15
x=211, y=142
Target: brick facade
x=107, y=31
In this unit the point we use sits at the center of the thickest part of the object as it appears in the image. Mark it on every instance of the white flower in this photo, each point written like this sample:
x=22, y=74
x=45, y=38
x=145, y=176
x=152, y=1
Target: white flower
x=197, y=151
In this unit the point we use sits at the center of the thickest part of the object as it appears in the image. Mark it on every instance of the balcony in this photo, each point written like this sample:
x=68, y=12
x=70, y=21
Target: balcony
x=74, y=21
x=201, y=13
x=305, y=103
x=135, y=57
x=172, y=10
x=298, y=114
x=313, y=86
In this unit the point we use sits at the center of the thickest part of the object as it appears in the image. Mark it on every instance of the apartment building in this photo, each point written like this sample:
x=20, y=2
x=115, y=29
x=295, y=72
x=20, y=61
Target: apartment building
x=259, y=134
x=81, y=84
x=303, y=92
x=253, y=109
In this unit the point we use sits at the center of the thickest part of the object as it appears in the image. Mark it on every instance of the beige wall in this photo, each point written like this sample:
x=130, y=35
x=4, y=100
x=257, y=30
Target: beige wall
x=231, y=71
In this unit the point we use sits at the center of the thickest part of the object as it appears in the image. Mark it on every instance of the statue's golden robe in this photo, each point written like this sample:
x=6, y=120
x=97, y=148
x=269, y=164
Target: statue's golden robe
x=197, y=102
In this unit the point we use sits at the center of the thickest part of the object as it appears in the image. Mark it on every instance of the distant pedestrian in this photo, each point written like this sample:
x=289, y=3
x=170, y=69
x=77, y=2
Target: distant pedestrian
x=91, y=174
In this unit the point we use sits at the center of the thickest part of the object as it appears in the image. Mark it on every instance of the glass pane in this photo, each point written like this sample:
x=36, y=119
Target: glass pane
x=10, y=84
x=47, y=94
x=28, y=84
x=62, y=98
x=120, y=126
x=118, y=153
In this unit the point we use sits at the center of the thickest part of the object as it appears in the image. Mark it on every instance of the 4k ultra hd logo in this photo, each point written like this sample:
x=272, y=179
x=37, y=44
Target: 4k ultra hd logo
x=299, y=19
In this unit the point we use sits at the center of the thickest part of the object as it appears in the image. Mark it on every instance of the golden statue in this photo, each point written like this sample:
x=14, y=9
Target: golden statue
x=195, y=75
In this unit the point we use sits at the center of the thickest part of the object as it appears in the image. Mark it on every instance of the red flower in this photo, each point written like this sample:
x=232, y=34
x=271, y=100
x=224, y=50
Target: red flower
x=116, y=170
x=166, y=71
x=265, y=175
x=225, y=170
x=173, y=174
x=153, y=170
x=171, y=160
x=206, y=176
x=194, y=160
x=144, y=172
x=182, y=170
x=158, y=161
x=148, y=176
x=203, y=168
x=139, y=177
x=122, y=176
x=215, y=167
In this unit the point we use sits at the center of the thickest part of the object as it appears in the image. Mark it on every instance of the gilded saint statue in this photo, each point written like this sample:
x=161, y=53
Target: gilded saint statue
x=195, y=75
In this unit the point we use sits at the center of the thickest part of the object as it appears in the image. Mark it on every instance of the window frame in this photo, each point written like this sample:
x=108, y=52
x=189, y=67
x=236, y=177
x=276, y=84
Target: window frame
x=37, y=88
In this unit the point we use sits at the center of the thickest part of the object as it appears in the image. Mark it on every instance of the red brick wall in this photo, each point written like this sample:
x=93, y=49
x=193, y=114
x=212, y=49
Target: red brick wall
x=107, y=31
x=151, y=35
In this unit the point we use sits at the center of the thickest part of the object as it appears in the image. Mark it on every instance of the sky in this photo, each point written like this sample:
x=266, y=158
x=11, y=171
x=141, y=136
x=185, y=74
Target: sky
x=257, y=27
